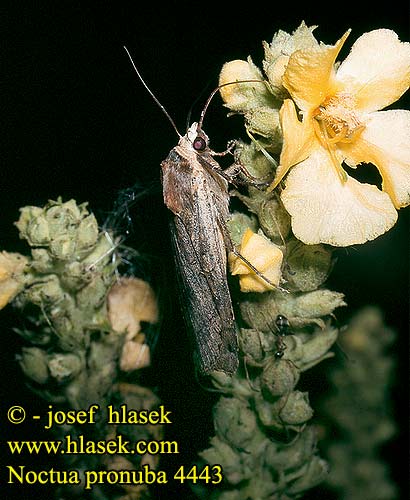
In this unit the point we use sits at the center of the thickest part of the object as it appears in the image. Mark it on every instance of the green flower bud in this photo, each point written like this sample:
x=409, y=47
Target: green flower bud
x=235, y=422
x=255, y=162
x=273, y=218
x=279, y=377
x=101, y=254
x=33, y=362
x=38, y=231
x=93, y=294
x=296, y=410
x=264, y=121
x=221, y=453
x=317, y=303
x=308, y=266
x=41, y=261
x=314, y=473
x=87, y=233
x=268, y=412
x=243, y=96
x=62, y=247
x=278, y=51
x=64, y=366
x=238, y=223
x=251, y=344
x=315, y=348
x=292, y=455
x=70, y=331
x=75, y=276
x=44, y=292
x=261, y=310
x=27, y=214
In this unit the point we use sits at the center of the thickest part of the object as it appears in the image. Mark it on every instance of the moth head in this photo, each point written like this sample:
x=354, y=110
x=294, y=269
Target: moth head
x=197, y=137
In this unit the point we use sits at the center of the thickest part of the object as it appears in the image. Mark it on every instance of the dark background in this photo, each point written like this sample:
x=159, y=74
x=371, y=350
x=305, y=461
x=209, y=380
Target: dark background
x=78, y=123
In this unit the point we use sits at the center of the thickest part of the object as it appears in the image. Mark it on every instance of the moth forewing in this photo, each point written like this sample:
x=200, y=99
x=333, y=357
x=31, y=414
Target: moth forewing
x=197, y=195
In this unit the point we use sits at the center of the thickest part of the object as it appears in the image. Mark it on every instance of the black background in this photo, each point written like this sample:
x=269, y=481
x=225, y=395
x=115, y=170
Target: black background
x=76, y=122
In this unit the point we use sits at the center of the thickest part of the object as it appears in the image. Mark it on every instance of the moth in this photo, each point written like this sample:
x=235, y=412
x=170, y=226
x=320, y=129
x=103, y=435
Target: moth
x=197, y=194
x=195, y=190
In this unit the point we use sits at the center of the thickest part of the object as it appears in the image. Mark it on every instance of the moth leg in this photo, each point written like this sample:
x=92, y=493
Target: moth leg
x=229, y=149
x=237, y=173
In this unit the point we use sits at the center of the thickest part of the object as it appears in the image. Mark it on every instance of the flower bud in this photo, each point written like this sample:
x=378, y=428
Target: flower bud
x=264, y=121
x=296, y=410
x=308, y=266
x=279, y=377
x=44, y=292
x=277, y=54
x=274, y=219
x=250, y=342
x=87, y=233
x=292, y=455
x=268, y=412
x=221, y=453
x=235, y=422
x=38, y=231
x=238, y=223
x=27, y=214
x=33, y=362
x=317, y=303
x=64, y=366
x=243, y=96
x=316, y=472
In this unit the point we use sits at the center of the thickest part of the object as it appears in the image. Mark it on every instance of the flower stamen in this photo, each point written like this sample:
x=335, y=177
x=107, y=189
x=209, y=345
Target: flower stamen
x=336, y=121
x=328, y=143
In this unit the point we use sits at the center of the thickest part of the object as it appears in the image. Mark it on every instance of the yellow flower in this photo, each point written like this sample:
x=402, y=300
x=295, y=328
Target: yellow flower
x=131, y=301
x=331, y=118
x=264, y=255
x=11, y=276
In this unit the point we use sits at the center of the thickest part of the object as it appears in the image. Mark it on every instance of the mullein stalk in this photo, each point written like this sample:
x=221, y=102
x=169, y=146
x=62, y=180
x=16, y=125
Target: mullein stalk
x=69, y=289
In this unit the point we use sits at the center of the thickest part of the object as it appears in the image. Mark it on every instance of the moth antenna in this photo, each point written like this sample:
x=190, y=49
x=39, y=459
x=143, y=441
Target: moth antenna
x=151, y=93
x=208, y=101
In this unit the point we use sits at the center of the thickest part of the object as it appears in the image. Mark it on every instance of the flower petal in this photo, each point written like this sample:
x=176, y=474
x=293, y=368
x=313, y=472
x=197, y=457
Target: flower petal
x=385, y=142
x=309, y=74
x=326, y=210
x=377, y=69
x=264, y=255
x=298, y=140
x=131, y=301
x=12, y=266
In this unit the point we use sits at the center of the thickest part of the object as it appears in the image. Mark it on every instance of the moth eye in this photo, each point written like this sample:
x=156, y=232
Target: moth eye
x=199, y=143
